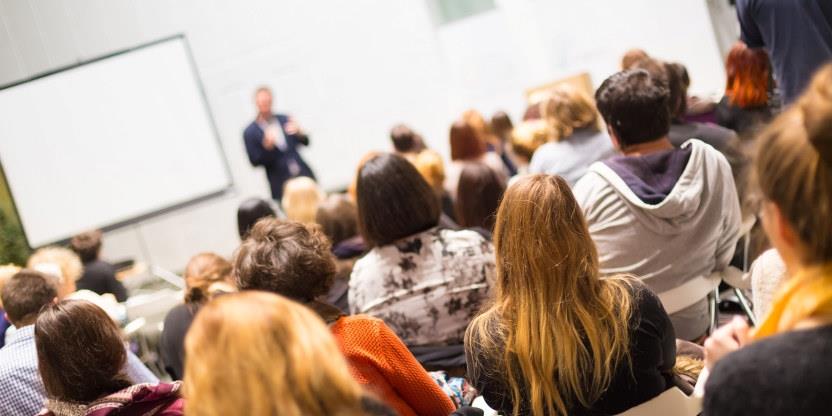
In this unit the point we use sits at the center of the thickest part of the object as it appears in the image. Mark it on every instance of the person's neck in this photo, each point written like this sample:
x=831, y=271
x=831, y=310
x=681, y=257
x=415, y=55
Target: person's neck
x=641, y=149
x=263, y=117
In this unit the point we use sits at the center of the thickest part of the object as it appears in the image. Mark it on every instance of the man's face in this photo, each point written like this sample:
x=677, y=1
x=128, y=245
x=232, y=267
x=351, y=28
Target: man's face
x=263, y=100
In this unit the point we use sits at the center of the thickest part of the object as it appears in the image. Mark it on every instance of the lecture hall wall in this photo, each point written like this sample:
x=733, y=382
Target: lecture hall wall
x=348, y=70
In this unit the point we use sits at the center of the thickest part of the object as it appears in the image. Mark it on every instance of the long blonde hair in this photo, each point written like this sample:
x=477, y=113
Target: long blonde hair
x=260, y=354
x=556, y=329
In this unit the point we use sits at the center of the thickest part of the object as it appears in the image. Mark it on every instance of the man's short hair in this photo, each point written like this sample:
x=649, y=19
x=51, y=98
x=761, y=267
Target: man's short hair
x=263, y=88
x=403, y=138
x=635, y=105
x=285, y=257
x=87, y=245
x=26, y=293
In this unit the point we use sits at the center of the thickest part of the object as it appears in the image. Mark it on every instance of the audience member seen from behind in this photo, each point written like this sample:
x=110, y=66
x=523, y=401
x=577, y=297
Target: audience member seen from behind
x=577, y=140
x=98, y=276
x=66, y=266
x=478, y=197
x=301, y=198
x=249, y=212
x=523, y=353
x=682, y=130
x=80, y=359
x=6, y=272
x=784, y=370
x=745, y=106
x=501, y=127
x=284, y=362
x=526, y=139
x=338, y=218
x=795, y=33
x=492, y=142
x=667, y=215
x=300, y=266
x=405, y=140
x=24, y=295
x=431, y=166
x=423, y=281
x=467, y=145
x=206, y=275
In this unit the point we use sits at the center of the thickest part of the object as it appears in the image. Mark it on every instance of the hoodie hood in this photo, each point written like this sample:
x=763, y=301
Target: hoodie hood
x=660, y=203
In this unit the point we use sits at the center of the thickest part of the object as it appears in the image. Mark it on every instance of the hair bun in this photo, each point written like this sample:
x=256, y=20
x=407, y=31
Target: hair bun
x=816, y=107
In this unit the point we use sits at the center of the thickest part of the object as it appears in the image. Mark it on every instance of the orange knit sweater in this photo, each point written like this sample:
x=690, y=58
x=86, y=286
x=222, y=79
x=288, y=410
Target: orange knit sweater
x=381, y=362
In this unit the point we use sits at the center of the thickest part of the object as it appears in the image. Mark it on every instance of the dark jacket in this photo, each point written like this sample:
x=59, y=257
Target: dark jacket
x=172, y=340
x=100, y=277
x=276, y=161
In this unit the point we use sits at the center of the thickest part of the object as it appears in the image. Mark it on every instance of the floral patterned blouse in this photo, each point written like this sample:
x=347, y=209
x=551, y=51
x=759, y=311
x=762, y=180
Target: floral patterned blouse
x=426, y=287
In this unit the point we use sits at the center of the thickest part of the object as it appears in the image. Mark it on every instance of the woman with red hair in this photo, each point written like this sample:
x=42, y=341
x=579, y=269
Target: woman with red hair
x=745, y=105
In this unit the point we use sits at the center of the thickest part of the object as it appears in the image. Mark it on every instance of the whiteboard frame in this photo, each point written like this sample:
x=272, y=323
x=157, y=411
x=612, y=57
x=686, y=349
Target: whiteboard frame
x=227, y=188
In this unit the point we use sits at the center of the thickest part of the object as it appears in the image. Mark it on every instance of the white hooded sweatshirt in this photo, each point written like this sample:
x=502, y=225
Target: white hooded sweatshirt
x=691, y=232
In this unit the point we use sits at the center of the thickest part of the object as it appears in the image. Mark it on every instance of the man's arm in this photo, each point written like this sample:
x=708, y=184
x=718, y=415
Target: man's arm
x=257, y=154
x=291, y=128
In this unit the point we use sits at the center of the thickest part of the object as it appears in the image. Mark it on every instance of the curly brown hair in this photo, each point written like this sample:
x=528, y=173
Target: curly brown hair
x=285, y=257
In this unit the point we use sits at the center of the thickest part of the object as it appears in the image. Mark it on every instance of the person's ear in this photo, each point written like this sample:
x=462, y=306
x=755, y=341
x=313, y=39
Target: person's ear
x=55, y=300
x=6, y=317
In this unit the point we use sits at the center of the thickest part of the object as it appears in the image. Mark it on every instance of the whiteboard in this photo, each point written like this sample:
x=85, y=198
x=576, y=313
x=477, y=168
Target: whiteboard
x=109, y=141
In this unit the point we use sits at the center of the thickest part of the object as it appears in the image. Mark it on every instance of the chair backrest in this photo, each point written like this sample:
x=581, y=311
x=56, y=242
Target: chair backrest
x=671, y=402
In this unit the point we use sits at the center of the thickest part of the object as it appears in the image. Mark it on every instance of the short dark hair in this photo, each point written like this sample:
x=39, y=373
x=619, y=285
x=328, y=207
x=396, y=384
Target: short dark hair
x=404, y=139
x=251, y=211
x=479, y=193
x=394, y=200
x=285, y=257
x=87, y=245
x=26, y=293
x=635, y=105
x=81, y=355
x=678, y=82
x=338, y=218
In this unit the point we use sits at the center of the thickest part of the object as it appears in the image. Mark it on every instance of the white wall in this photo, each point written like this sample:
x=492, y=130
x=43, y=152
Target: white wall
x=347, y=70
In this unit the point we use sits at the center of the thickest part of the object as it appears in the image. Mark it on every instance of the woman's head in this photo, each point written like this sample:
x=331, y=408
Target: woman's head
x=60, y=262
x=206, y=275
x=338, y=217
x=569, y=109
x=552, y=313
x=80, y=352
x=528, y=136
x=285, y=257
x=748, y=74
x=466, y=143
x=394, y=201
x=301, y=197
x=478, y=196
x=278, y=355
x=432, y=168
x=251, y=211
x=793, y=168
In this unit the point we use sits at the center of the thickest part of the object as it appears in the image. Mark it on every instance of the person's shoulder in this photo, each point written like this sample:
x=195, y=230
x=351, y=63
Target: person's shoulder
x=100, y=267
x=462, y=239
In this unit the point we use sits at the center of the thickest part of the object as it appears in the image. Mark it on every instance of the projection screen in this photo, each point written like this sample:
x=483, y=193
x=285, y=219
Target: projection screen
x=109, y=141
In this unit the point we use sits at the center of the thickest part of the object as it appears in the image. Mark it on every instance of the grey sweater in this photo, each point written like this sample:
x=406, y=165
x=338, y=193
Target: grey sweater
x=691, y=232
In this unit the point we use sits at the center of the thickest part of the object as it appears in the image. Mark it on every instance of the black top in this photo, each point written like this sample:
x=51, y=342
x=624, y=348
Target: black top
x=788, y=374
x=796, y=33
x=744, y=121
x=172, y=342
x=653, y=353
x=100, y=277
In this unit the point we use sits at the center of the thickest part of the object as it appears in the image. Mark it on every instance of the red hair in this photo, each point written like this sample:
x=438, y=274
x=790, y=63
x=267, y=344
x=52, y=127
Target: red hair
x=466, y=144
x=748, y=73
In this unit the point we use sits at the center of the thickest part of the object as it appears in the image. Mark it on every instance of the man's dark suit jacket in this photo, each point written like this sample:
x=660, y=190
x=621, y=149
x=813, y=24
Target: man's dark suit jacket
x=276, y=161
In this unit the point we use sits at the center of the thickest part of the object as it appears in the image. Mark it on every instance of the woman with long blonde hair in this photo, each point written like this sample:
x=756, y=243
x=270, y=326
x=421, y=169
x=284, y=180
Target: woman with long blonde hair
x=786, y=368
x=558, y=339
x=259, y=354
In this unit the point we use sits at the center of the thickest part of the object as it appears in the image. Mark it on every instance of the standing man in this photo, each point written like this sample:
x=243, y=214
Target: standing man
x=797, y=34
x=272, y=141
